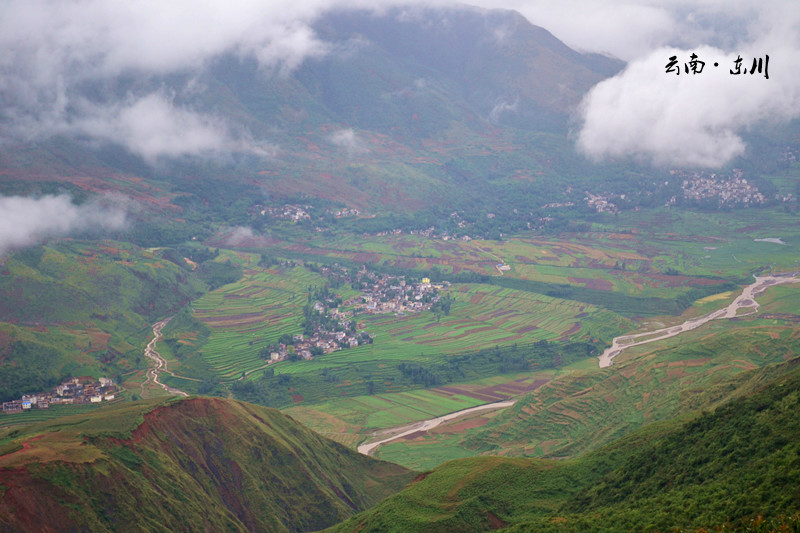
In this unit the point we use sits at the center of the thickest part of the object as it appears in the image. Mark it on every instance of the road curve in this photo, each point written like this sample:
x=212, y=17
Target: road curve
x=745, y=301
x=425, y=425
x=160, y=363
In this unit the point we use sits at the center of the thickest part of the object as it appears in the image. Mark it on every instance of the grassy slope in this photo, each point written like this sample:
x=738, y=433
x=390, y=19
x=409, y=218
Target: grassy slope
x=589, y=406
x=185, y=465
x=737, y=462
x=82, y=308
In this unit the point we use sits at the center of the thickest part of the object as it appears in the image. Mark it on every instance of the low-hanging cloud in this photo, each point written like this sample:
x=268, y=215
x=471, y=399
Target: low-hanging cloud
x=243, y=236
x=51, y=51
x=500, y=108
x=153, y=126
x=27, y=221
x=348, y=141
x=696, y=119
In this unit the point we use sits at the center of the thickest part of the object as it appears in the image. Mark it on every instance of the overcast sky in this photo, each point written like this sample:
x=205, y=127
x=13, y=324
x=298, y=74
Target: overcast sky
x=50, y=47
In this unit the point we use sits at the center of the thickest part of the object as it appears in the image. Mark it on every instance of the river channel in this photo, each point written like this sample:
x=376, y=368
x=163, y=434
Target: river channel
x=745, y=304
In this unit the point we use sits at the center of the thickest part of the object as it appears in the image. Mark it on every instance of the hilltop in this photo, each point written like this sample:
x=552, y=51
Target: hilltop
x=212, y=464
x=406, y=111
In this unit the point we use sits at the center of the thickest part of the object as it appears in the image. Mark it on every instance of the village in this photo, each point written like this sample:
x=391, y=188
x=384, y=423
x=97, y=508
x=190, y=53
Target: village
x=602, y=202
x=726, y=190
x=82, y=390
x=298, y=212
x=329, y=322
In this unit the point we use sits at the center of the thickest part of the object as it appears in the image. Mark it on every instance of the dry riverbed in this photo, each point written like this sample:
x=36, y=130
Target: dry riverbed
x=745, y=304
x=393, y=434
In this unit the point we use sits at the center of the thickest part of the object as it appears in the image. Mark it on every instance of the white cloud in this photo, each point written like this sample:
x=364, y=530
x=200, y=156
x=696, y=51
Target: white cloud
x=243, y=236
x=27, y=221
x=51, y=51
x=349, y=141
x=151, y=126
x=500, y=108
x=696, y=119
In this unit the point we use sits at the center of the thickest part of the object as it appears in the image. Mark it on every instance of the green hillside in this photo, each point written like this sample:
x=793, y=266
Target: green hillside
x=412, y=142
x=76, y=308
x=586, y=407
x=196, y=464
x=728, y=466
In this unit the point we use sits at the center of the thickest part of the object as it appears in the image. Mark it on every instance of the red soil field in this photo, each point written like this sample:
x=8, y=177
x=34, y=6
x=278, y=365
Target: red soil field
x=576, y=327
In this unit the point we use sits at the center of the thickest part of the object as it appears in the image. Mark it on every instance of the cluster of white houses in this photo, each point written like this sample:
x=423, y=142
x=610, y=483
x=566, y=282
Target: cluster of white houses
x=391, y=294
x=380, y=293
x=81, y=390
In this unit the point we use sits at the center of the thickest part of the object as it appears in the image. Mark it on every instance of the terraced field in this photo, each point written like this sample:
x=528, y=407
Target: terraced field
x=350, y=420
x=248, y=315
x=576, y=413
x=631, y=263
x=484, y=315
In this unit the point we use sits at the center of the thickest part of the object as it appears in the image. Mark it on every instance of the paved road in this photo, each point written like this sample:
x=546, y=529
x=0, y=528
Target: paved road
x=744, y=302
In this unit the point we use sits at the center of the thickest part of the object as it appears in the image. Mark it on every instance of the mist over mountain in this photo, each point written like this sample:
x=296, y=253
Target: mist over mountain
x=407, y=74
x=378, y=216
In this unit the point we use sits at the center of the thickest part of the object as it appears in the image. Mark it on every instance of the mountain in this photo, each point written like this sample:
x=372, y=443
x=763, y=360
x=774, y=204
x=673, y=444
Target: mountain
x=725, y=467
x=212, y=196
x=430, y=109
x=407, y=108
x=196, y=464
x=85, y=307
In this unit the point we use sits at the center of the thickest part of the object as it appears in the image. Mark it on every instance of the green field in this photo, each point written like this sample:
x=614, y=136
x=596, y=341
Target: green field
x=246, y=316
x=483, y=316
x=647, y=383
x=349, y=420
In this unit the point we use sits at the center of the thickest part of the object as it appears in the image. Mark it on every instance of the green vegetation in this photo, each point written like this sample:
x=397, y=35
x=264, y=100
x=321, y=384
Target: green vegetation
x=185, y=464
x=586, y=407
x=333, y=376
x=349, y=419
x=432, y=183
x=82, y=308
x=724, y=468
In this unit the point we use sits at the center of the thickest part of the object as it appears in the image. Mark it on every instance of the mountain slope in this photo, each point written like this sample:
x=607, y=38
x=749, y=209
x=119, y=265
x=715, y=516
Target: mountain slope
x=77, y=308
x=402, y=110
x=197, y=464
x=740, y=461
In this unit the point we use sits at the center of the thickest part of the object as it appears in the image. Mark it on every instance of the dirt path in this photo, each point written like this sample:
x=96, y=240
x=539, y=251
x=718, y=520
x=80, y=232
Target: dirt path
x=160, y=363
x=744, y=302
x=425, y=425
x=493, y=256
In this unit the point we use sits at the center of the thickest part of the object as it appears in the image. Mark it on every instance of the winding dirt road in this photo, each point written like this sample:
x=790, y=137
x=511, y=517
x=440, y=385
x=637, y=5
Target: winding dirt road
x=425, y=425
x=744, y=302
x=160, y=363
x=495, y=257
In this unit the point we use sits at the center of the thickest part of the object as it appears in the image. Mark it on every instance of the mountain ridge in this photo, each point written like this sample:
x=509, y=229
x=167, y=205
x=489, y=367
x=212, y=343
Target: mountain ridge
x=210, y=461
